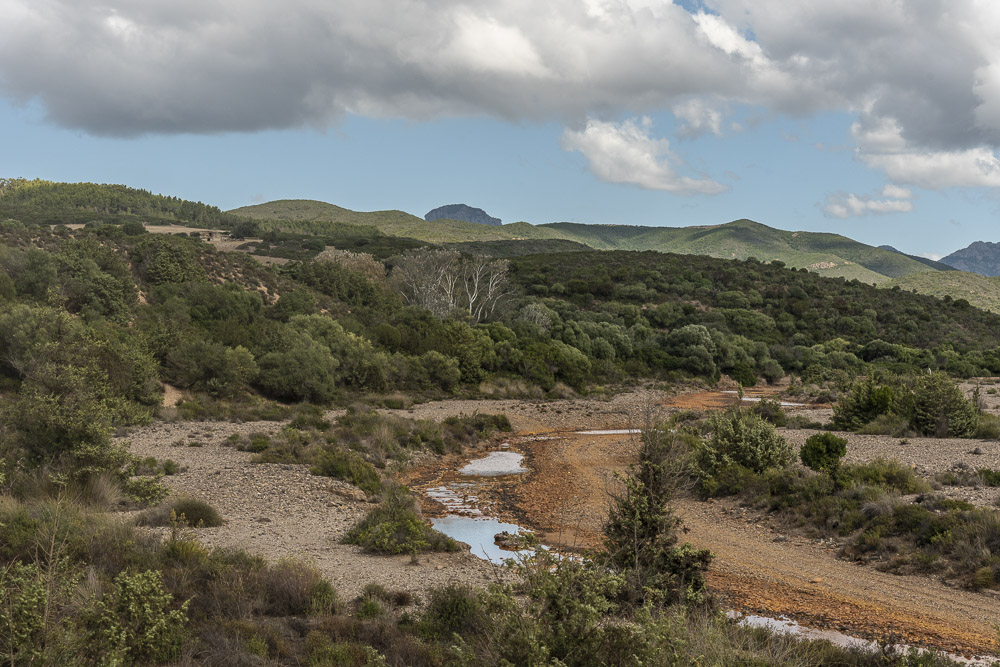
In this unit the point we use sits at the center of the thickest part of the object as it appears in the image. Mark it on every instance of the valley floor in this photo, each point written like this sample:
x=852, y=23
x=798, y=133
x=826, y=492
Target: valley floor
x=283, y=511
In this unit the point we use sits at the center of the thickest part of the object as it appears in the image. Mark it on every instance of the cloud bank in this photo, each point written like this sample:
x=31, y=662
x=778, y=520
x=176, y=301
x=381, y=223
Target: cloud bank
x=922, y=78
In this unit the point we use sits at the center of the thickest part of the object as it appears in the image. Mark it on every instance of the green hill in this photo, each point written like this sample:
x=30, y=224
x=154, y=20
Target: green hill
x=306, y=216
x=980, y=291
x=826, y=254
x=48, y=203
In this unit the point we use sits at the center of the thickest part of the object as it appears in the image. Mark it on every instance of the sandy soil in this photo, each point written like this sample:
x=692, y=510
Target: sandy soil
x=282, y=511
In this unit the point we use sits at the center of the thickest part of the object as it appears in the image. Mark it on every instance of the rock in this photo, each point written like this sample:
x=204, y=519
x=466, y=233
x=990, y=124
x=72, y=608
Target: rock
x=513, y=541
x=978, y=451
x=349, y=492
x=462, y=212
x=816, y=580
x=781, y=538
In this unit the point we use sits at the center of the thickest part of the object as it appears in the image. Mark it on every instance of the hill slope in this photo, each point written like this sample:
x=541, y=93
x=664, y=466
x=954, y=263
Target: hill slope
x=981, y=291
x=826, y=254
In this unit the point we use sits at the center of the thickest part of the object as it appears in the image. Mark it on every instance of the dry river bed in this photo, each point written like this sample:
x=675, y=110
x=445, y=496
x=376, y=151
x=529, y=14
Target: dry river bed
x=282, y=511
x=758, y=567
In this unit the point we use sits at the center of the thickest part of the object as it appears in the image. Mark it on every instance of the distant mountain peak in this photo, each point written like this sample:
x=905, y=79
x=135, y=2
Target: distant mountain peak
x=890, y=249
x=462, y=212
x=982, y=257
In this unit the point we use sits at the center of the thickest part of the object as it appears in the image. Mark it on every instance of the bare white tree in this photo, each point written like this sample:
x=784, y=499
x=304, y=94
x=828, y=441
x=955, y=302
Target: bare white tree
x=441, y=281
x=485, y=285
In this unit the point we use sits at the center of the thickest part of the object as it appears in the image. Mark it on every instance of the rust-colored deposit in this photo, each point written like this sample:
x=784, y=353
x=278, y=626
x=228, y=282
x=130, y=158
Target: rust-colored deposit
x=756, y=569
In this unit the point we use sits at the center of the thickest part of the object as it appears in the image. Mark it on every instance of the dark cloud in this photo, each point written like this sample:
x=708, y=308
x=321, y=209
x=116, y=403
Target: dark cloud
x=927, y=72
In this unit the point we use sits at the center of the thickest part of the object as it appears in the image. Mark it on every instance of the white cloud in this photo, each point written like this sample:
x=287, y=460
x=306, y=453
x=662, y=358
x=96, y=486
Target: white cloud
x=699, y=118
x=937, y=170
x=932, y=255
x=626, y=153
x=849, y=205
x=896, y=192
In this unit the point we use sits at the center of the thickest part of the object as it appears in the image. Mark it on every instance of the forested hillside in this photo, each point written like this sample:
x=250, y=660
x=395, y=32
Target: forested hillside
x=979, y=290
x=48, y=203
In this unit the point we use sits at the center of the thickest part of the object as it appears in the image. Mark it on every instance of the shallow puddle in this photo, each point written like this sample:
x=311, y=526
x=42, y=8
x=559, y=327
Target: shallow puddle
x=611, y=431
x=757, y=399
x=478, y=533
x=495, y=464
x=788, y=626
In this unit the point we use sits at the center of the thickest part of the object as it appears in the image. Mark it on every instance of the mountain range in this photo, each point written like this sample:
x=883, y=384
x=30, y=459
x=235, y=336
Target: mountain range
x=390, y=232
x=827, y=254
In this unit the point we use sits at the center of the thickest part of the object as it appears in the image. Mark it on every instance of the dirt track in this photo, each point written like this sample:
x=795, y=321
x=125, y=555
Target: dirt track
x=565, y=496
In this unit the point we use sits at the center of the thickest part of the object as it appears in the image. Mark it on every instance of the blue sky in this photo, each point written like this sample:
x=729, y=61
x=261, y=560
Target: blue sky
x=626, y=111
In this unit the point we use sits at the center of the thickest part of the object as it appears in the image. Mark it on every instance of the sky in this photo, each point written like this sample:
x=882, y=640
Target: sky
x=875, y=119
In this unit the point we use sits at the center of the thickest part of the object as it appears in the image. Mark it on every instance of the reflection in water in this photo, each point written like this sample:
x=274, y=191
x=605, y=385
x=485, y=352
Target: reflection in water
x=478, y=533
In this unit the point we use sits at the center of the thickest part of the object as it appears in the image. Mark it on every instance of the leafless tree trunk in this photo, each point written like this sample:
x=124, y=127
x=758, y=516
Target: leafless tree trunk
x=440, y=280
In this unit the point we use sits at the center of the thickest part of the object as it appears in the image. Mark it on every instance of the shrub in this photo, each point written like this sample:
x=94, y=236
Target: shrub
x=862, y=403
x=742, y=438
x=769, y=409
x=396, y=527
x=941, y=409
x=885, y=474
x=640, y=534
x=348, y=466
x=823, y=451
x=145, y=490
x=989, y=477
x=292, y=587
x=897, y=426
x=185, y=510
x=454, y=609
x=134, y=623
x=988, y=427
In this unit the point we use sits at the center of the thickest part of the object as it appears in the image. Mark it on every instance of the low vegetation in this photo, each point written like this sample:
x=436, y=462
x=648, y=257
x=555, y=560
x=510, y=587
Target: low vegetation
x=881, y=511
x=395, y=526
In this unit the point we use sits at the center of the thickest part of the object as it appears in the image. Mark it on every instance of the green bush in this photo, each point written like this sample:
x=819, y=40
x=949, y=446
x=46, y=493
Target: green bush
x=941, y=409
x=863, y=402
x=455, y=609
x=186, y=511
x=740, y=437
x=988, y=427
x=348, y=466
x=145, y=490
x=897, y=426
x=396, y=527
x=769, y=409
x=135, y=623
x=823, y=451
